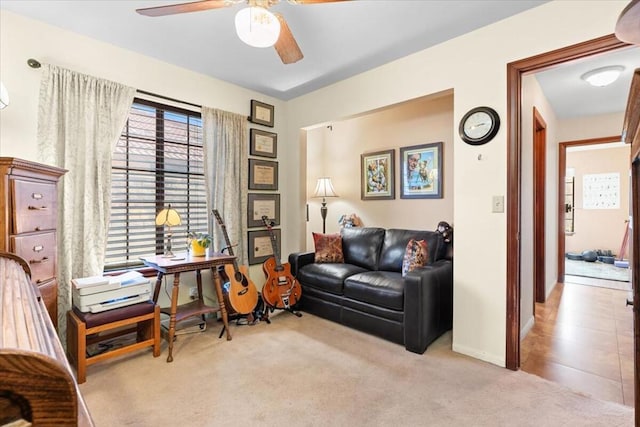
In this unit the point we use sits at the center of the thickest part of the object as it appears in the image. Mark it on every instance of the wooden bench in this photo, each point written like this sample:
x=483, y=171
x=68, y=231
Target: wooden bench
x=84, y=329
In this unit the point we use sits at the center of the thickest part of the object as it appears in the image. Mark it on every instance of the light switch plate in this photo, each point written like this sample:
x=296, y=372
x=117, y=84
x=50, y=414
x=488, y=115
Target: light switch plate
x=497, y=204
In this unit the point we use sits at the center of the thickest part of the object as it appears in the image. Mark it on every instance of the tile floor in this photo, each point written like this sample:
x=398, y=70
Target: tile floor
x=583, y=338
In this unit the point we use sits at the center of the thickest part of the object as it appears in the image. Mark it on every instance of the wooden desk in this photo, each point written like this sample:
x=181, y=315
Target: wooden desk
x=34, y=370
x=183, y=263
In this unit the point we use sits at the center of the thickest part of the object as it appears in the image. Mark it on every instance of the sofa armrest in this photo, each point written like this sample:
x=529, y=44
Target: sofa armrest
x=299, y=260
x=428, y=304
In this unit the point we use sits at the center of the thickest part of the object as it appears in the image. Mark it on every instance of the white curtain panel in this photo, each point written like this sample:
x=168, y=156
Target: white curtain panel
x=79, y=121
x=225, y=170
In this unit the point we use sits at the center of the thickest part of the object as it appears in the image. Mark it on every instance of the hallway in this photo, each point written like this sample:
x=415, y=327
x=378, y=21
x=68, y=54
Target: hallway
x=583, y=338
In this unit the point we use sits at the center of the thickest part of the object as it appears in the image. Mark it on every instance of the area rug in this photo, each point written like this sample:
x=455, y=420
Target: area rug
x=311, y=372
x=597, y=269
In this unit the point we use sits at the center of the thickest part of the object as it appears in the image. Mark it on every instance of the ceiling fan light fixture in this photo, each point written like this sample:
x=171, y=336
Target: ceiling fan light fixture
x=257, y=27
x=603, y=76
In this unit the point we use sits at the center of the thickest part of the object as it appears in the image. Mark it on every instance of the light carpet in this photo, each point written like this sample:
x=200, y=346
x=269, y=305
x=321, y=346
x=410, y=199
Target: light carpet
x=597, y=269
x=311, y=372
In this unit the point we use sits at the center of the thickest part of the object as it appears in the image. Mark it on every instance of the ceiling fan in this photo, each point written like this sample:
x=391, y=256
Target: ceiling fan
x=255, y=25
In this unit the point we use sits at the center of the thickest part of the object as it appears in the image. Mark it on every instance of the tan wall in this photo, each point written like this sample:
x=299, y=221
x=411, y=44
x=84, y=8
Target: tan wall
x=336, y=153
x=599, y=228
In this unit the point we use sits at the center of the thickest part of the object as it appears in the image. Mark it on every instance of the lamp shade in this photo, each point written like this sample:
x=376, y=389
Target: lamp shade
x=168, y=216
x=324, y=188
x=4, y=96
x=257, y=27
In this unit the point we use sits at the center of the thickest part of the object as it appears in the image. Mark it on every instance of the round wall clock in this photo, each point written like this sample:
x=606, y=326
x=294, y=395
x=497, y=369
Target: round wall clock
x=479, y=125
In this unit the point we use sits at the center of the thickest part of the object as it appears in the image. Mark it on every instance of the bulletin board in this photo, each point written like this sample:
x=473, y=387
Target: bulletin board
x=601, y=191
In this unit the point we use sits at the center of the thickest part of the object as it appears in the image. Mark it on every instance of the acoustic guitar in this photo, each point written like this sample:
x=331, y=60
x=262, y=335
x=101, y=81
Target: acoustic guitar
x=239, y=292
x=281, y=290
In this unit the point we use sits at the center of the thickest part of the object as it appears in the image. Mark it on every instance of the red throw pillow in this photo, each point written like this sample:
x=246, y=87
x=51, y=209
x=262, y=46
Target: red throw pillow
x=415, y=256
x=328, y=247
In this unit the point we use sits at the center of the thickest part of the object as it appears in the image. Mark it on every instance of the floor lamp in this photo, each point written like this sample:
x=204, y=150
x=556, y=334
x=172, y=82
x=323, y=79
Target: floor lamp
x=324, y=189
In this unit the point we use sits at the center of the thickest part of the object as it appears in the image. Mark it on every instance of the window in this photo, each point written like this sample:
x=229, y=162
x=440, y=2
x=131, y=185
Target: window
x=158, y=161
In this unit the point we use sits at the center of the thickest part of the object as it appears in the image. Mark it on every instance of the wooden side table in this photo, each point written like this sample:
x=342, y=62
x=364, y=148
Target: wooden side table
x=181, y=263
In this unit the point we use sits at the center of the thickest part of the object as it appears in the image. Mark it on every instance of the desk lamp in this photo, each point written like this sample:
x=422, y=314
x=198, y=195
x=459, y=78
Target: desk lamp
x=168, y=217
x=324, y=189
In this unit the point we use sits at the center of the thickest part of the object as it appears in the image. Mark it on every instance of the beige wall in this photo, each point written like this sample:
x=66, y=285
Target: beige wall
x=22, y=38
x=599, y=228
x=336, y=153
x=473, y=65
x=532, y=96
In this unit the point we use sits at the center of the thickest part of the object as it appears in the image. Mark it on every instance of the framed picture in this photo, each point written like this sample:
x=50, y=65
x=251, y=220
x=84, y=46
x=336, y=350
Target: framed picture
x=377, y=176
x=261, y=113
x=263, y=143
x=263, y=204
x=260, y=247
x=421, y=171
x=263, y=175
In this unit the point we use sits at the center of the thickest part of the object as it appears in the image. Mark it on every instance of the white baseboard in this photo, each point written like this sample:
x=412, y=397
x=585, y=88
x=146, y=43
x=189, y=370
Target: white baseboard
x=525, y=330
x=476, y=354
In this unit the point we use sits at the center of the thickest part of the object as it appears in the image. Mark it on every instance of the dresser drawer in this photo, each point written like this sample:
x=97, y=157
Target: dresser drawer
x=35, y=206
x=40, y=252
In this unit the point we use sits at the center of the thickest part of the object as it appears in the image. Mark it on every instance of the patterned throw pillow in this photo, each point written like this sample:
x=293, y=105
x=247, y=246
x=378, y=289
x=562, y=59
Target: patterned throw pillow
x=415, y=256
x=328, y=247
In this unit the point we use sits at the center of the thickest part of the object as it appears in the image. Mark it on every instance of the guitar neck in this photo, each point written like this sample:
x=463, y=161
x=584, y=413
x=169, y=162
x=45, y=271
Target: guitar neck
x=226, y=237
x=274, y=243
x=274, y=248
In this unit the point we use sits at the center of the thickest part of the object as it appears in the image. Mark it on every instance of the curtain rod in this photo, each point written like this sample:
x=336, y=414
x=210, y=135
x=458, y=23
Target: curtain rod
x=34, y=63
x=167, y=98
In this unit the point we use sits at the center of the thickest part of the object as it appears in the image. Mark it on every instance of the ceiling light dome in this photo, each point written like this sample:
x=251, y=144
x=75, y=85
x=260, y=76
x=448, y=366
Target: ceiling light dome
x=257, y=27
x=603, y=76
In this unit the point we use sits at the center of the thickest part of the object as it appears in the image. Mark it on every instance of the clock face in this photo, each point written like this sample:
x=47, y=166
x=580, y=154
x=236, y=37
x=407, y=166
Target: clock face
x=479, y=125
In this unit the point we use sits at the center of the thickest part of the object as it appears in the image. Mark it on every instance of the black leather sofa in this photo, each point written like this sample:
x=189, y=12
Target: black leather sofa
x=368, y=292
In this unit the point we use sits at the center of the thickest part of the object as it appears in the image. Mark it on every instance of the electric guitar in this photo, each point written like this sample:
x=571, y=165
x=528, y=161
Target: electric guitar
x=281, y=290
x=239, y=292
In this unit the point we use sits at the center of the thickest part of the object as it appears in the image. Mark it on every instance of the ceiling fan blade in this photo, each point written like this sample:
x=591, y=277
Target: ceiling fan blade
x=286, y=46
x=173, y=9
x=314, y=1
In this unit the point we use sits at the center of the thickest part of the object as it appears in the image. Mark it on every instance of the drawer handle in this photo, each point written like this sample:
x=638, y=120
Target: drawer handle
x=37, y=208
x=39, y=261
x=36, y=196
x=38, y=248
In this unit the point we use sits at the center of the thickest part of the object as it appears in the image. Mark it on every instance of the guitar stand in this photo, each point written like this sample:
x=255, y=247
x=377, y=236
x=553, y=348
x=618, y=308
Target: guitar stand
x=290, y=310
x=265, y=317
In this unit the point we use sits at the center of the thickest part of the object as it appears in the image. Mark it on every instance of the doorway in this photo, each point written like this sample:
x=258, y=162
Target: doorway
x=539, y=206
x=515, y=71
x=583, y=332
x=596, y=219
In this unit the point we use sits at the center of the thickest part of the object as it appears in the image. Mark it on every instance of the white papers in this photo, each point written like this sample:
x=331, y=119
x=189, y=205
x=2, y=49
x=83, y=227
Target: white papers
x=91, y=281
x=129, y=276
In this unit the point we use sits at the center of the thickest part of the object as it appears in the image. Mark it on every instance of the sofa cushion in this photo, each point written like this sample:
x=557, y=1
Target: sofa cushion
x=382, y=288
x=395, y=244
x=361, y=246
x=328, y=247
x=328, y=277
x=415, y=256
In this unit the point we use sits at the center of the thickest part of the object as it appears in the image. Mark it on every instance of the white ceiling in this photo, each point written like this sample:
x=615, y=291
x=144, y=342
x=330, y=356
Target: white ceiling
x=338, y=40
x=573, y=97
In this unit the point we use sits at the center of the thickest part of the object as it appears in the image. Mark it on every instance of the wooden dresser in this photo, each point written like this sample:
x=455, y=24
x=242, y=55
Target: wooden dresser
x=28, y=205
x=36, y=382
